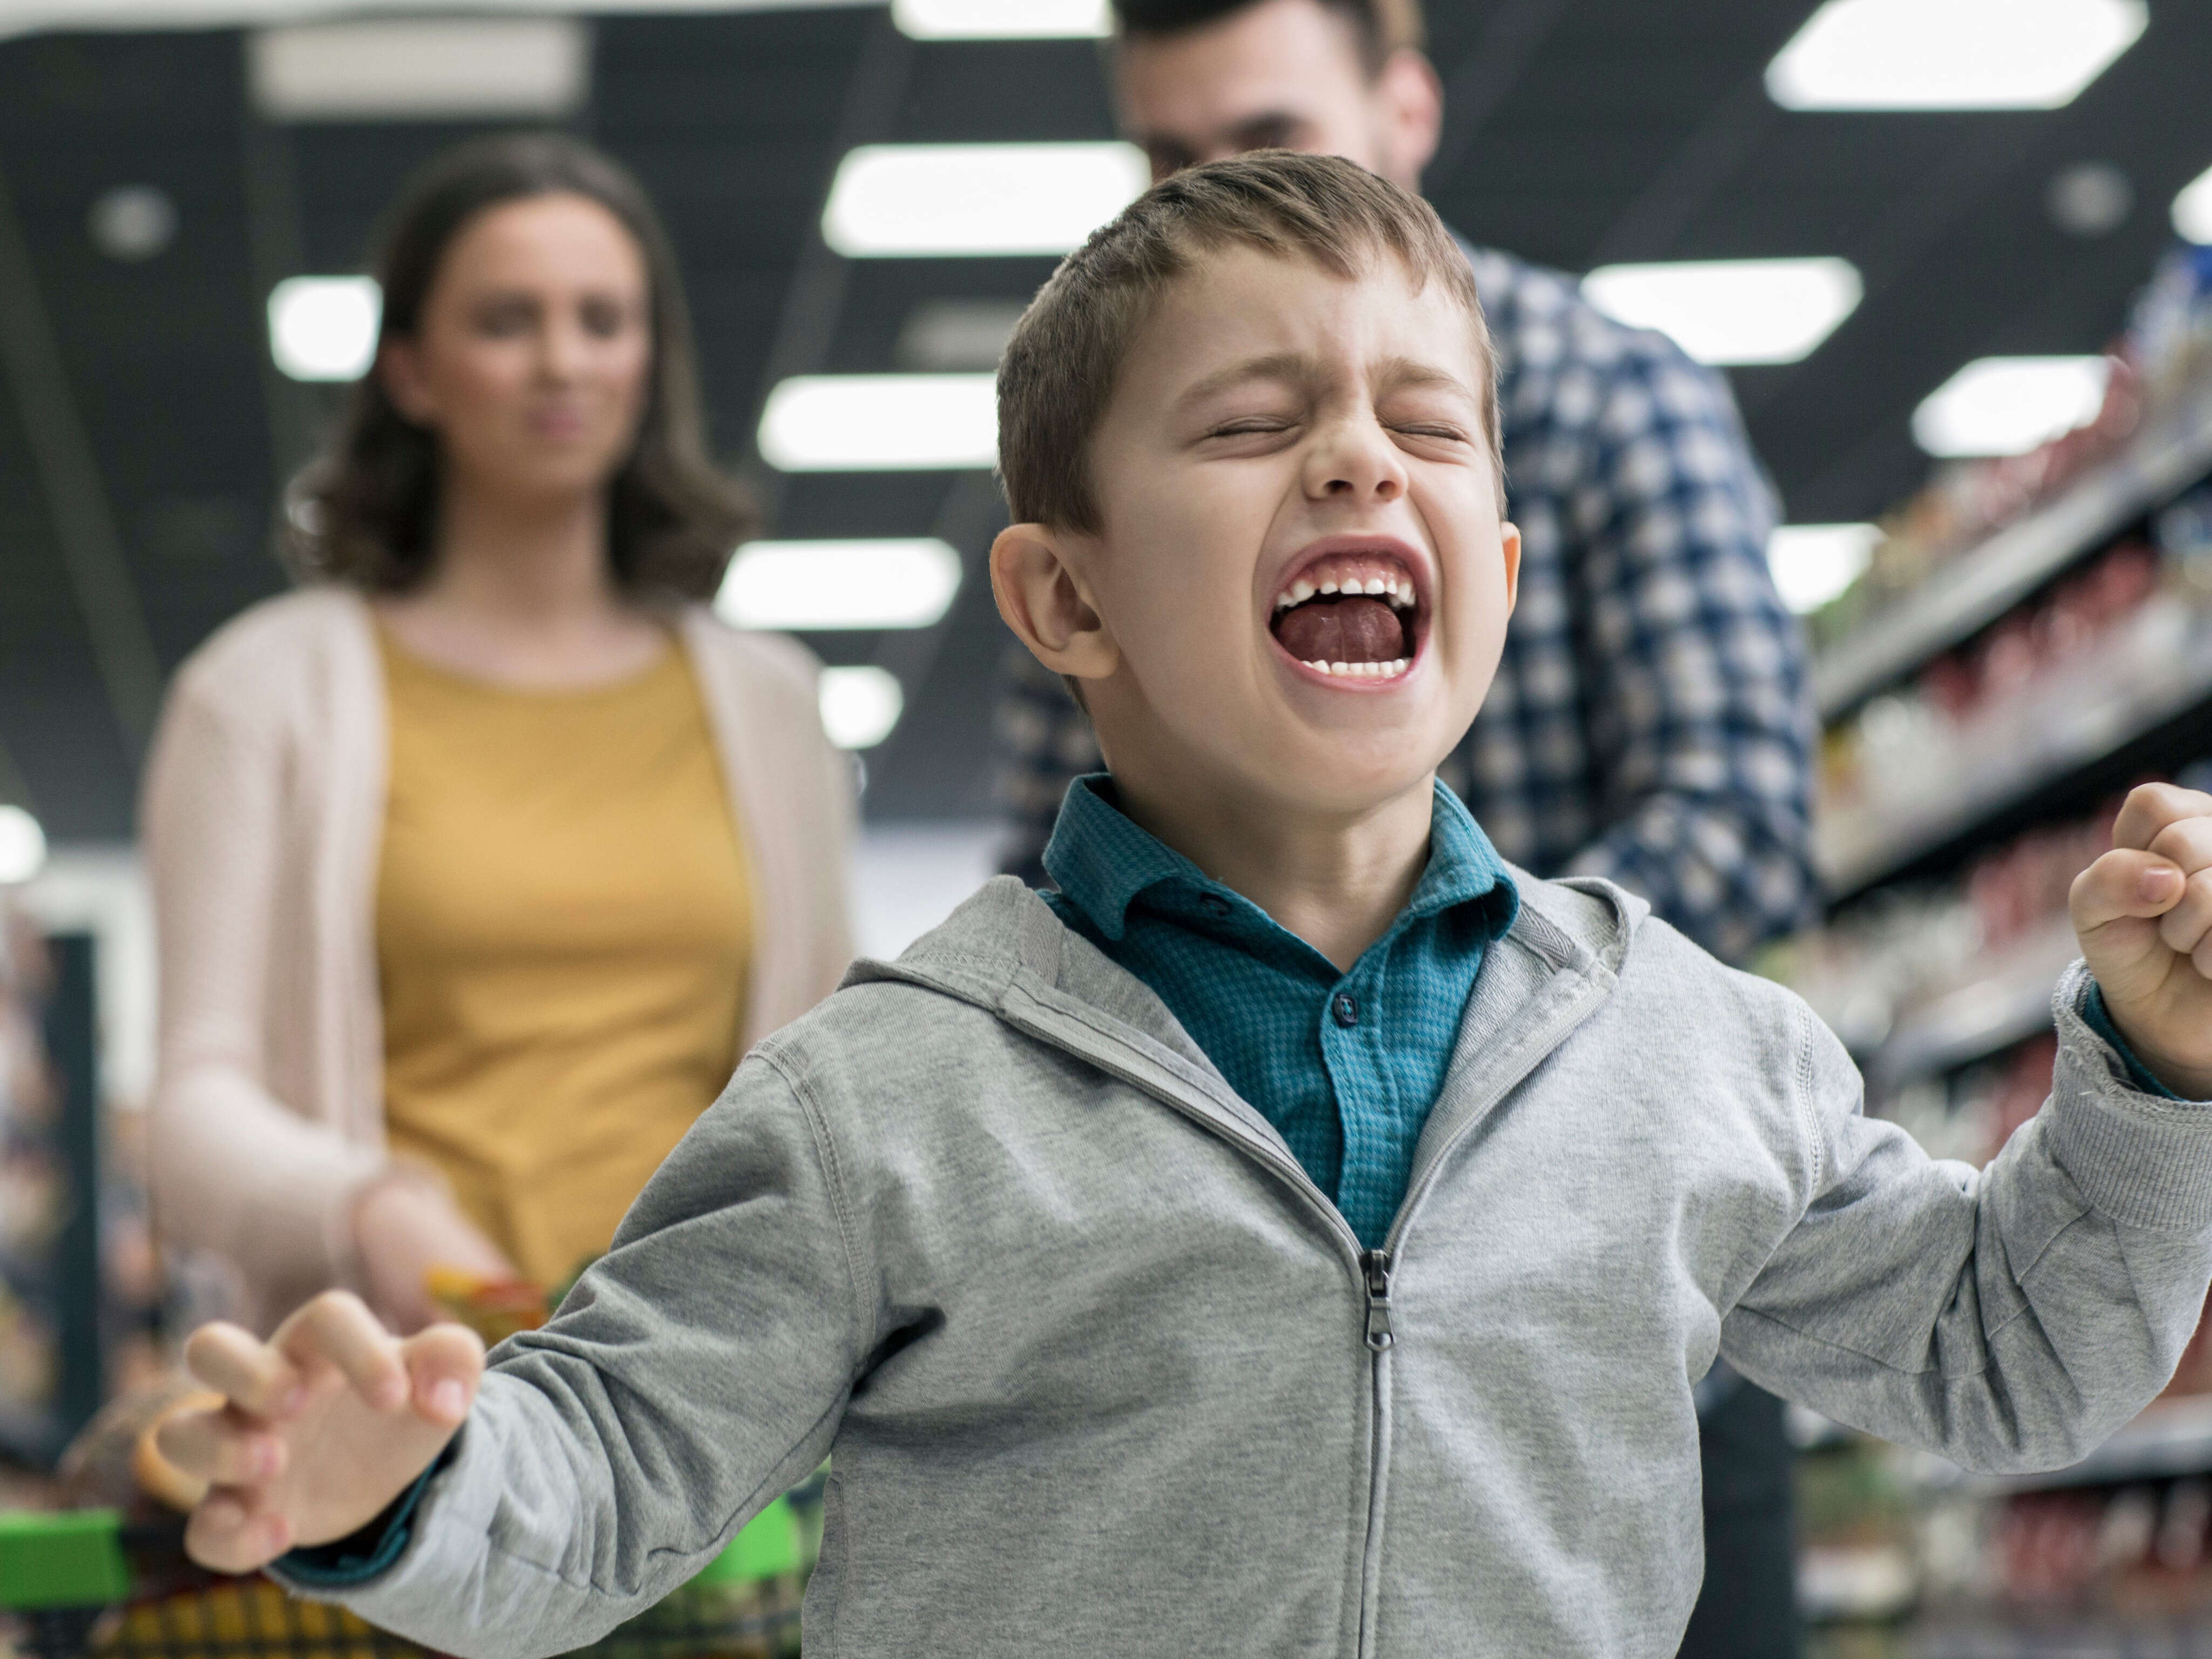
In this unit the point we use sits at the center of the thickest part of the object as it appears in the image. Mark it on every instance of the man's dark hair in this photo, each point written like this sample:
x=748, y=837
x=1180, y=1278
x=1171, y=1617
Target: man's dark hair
x=1382, y=26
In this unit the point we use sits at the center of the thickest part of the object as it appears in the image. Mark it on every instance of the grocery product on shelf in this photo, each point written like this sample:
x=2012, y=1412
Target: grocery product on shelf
x=38, y=1193
x=2160, y=367
x=2104, y=655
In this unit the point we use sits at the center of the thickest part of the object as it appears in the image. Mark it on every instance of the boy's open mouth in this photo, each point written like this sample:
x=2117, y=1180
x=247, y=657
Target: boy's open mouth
x=1350, y=614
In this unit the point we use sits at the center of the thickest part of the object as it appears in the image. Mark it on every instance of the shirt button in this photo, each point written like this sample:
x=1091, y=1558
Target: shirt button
x=1216, y=906
x=1345, y=1007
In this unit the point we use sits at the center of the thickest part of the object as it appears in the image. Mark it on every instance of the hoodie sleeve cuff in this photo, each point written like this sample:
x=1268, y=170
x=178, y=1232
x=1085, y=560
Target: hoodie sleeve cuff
x=369, y=1553
x=2098, y=1018
x=2140, y=1160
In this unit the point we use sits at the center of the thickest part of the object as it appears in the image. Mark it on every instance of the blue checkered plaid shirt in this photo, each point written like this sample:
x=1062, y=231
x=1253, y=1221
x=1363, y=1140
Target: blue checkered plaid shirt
x=1651, y=721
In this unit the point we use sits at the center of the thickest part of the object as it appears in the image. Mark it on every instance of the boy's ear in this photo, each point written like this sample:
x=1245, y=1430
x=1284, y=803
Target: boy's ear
x=1508, y=539
x=1047, y=605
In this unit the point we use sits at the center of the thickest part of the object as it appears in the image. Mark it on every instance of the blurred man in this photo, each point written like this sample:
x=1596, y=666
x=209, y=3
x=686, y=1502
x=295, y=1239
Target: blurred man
x=1650, y=720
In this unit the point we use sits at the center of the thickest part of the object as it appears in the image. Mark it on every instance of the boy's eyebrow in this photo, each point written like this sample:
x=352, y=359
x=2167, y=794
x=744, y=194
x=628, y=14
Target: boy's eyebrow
x=1411, y=372
x=1396, y=372
x=1275, y=366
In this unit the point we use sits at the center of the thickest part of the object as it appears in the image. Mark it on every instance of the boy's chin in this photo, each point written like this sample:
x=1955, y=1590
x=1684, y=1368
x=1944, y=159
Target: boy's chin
x=1349, y=776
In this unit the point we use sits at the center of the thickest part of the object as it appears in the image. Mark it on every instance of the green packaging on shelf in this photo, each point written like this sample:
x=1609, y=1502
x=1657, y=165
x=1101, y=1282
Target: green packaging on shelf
x=766, y=1546
x=70, y=1559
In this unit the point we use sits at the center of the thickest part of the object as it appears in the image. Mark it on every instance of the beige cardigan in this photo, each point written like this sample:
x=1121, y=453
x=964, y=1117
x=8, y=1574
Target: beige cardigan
x=262, y=822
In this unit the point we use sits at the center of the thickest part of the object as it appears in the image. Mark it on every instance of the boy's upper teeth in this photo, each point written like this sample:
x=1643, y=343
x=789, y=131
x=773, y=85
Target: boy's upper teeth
x=1398, y=591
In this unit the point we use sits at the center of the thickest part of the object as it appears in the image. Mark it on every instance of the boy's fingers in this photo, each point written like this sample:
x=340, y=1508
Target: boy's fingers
x=2150, y=808
x=221, y=1447
x=248, y=1372
x=444, y=1364
x=2187, y=841
x=2124, y=885
x=2186, y=927
x=337, y=1329
x=228, y=1533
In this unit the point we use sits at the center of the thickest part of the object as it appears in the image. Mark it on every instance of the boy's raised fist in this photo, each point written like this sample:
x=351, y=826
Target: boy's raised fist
x=324, y=1424
x=2144, y=915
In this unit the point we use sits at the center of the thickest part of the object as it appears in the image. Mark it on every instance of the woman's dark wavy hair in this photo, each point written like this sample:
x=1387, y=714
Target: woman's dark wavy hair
x=366, y=512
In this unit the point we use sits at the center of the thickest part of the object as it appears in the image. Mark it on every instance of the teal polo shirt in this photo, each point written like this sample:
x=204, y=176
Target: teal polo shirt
x=1346, y=1065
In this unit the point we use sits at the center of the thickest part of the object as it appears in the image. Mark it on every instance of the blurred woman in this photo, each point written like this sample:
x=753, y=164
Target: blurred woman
x=479, y=860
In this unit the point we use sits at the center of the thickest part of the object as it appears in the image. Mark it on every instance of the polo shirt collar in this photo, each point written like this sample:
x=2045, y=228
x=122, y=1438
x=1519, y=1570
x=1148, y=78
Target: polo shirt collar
x=1103, y=860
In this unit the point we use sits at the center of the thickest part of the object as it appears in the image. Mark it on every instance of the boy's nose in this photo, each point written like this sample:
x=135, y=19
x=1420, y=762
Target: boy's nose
x=1358, y=464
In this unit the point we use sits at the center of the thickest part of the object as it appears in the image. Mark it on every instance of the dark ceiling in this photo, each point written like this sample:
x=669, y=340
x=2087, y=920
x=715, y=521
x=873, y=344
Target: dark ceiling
x=142, y=431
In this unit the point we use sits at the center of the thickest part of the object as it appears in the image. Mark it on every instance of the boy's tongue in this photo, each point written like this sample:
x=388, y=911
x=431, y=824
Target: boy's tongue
x=1346, y=629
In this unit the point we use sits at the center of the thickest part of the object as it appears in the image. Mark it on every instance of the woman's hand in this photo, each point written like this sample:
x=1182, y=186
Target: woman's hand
x=403, y=1227
x=2144, y=915
x=322, y=1427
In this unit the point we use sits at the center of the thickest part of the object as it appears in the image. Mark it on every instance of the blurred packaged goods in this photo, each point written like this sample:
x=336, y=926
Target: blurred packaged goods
x=2033, y=638
x=2113, y=648
x=2160, y=370
x=40, y=1196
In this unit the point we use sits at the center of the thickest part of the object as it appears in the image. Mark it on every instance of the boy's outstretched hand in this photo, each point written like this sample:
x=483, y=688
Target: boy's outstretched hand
x=2144, y=915
x=327, y=1422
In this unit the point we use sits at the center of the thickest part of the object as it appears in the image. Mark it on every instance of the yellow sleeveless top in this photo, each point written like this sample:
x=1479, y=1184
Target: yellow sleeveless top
x=564, y=928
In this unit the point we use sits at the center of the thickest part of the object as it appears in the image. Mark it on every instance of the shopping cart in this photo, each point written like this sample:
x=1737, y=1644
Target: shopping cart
x=85, y=1584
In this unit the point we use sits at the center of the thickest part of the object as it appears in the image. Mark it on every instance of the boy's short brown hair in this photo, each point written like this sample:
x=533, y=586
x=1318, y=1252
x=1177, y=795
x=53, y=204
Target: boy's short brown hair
x=1060, y=366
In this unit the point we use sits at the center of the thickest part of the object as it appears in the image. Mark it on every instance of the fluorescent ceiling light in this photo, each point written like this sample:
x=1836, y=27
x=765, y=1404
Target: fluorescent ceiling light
x=420, y=69
x=1002, y=19
x=1732, y=311
x=2193, y=209
x=1952, y=54
x=23, y=846
x=859, y=706
x=1813, y=563
x=954, y=334
x=24, y=16
x=2009, y=405
x=323, y=328
x=881, y=423
x=907, y=201
x=824, y=585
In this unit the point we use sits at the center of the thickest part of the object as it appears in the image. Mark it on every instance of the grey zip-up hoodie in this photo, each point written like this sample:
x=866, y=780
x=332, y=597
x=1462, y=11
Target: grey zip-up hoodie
x=1103, y=1372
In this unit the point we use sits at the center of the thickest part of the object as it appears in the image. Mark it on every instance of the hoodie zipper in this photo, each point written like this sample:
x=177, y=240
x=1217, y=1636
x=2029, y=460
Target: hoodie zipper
x=1375, y=1264
x=1374, y=1267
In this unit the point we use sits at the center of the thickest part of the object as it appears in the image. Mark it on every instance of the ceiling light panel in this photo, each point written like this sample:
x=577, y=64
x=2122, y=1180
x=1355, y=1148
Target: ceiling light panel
x=323, y=328
x=421, y=69
x=1952, y=54
x=881, y=423
x=1002, y=19
x=809, y=585
x=23, y=846
x=1813, y=563
x=859, y=706
x=924, y=201
x=940, y=335
x=1732, y=311
x=2009, y=405
x=2193, y=209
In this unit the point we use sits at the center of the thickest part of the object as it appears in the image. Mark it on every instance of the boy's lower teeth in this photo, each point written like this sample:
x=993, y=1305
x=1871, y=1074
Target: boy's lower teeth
x=1368, y=671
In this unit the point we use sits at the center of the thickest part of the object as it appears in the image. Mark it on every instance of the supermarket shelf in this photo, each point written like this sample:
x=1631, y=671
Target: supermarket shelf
x=1976, y=588
x=2044, y=1635
x=2172, y=1438
x=2011, y=1002
x=1856, y=851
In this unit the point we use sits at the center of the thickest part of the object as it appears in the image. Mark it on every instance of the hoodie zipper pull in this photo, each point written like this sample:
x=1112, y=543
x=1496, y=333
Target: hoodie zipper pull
x=1377, y=1266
